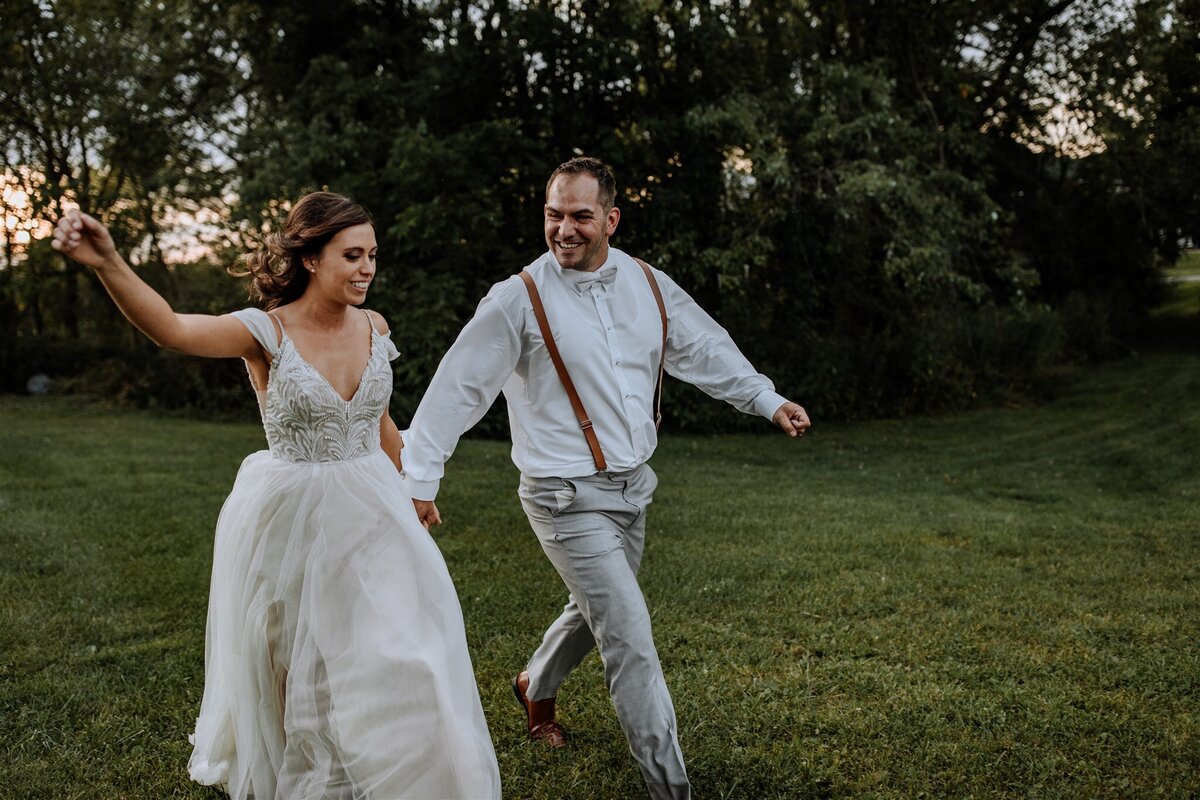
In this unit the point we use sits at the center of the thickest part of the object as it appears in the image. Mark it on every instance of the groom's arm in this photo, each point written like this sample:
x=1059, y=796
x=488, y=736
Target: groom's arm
x=466, y=383
x=703, y=353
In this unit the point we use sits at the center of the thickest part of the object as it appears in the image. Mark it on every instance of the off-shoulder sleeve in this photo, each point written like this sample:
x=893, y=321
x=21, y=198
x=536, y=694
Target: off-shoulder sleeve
x=261, y=328
x=389, y=347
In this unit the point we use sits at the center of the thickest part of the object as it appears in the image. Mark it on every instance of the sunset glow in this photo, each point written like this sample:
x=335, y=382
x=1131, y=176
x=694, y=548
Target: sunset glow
x=20, y=226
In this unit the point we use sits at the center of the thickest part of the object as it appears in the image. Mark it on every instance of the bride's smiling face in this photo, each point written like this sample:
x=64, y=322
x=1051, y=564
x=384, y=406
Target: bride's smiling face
x=346, y=266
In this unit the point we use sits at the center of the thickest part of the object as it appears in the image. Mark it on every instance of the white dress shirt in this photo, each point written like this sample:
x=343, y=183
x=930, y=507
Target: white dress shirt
x=609, y=332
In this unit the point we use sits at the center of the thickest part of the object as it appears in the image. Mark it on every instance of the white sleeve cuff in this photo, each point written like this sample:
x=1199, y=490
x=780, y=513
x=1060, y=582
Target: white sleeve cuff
x=767, y=403
x=420, y=490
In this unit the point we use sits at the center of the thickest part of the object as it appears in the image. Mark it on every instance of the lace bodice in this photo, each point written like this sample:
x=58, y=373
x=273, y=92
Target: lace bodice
x=304, y=417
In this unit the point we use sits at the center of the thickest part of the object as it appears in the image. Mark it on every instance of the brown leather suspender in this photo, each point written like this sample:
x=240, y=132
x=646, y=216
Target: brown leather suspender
x=589, y=432
x=576, y=404
x=662, y=357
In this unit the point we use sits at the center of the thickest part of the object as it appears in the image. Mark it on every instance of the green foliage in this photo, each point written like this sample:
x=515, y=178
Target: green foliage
x=880, y=201
x=114, y=107
x=995, y=604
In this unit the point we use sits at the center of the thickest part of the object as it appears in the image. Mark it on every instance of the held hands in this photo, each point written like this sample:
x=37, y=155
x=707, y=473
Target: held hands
x=427, y=512
x=84, y=239
x=793, y=419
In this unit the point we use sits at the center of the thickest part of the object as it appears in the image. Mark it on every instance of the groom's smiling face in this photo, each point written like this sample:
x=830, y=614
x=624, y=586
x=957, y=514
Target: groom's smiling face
x=577, y=225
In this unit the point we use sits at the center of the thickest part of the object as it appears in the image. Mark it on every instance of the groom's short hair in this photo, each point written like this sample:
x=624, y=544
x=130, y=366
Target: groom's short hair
x=586, y=165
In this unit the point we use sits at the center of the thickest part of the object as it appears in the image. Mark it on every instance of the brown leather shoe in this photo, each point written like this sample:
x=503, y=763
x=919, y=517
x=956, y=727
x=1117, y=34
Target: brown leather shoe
x=540, y=714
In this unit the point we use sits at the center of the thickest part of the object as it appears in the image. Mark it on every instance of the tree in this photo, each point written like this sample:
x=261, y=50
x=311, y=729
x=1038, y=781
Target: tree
x=892, y=207
x=115, y=107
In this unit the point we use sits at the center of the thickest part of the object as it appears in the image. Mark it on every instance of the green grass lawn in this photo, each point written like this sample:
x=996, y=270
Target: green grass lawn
x=1003, y=603
x=1184, y=299
x=1188, y=264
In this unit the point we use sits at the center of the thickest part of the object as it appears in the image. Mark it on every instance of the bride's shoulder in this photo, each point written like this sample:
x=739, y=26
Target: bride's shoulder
x=377, y=321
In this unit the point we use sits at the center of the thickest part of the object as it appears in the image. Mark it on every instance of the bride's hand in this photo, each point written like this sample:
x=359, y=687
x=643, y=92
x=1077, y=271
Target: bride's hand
x=85, y=239
x=427, y=512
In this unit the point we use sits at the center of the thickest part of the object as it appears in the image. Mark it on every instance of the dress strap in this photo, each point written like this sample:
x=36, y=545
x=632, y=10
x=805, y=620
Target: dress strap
x=389, y=347
x=662, y=359
x=278, y=322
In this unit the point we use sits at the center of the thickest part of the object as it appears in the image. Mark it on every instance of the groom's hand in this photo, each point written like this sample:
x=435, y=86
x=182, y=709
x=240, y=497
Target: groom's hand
x=792, y=418
x=427, y=512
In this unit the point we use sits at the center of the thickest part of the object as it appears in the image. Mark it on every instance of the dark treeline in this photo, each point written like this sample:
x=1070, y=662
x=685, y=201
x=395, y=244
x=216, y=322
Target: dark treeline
x=893, y=206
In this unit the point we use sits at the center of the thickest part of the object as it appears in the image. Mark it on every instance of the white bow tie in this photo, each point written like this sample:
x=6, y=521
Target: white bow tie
x=601, y=277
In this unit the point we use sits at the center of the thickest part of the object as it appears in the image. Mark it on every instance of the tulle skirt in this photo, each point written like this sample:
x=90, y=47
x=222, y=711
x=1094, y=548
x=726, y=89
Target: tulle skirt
x=336, y=662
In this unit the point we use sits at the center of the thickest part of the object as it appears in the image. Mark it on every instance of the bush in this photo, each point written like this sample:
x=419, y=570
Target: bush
x=950, y=359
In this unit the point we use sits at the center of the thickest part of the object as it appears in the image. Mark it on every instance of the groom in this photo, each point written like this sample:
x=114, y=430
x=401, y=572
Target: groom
x=576, y=343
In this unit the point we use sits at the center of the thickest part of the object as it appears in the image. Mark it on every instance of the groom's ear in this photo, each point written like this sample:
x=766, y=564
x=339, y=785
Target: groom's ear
x=614, y=217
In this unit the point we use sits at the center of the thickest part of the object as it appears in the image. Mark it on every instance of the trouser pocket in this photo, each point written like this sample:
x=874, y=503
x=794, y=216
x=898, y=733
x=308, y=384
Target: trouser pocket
x=552, y=495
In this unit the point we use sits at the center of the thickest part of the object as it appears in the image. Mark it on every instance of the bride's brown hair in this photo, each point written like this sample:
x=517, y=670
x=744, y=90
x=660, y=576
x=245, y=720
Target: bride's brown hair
x=276, y=267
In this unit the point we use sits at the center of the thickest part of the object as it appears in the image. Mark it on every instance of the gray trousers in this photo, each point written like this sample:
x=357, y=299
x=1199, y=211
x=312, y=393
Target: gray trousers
x=593, y=529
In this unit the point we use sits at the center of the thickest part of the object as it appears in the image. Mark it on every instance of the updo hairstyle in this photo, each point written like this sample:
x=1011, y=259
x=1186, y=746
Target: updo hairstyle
x=276, y=267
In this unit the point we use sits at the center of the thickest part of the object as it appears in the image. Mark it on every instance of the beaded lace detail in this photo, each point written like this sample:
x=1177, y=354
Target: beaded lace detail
x=306, y=420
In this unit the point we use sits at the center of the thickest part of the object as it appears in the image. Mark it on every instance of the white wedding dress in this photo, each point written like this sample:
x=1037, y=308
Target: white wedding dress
x=336, y=663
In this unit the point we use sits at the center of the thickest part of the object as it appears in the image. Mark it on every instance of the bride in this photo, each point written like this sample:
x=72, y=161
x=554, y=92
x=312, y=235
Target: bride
x=336, y=662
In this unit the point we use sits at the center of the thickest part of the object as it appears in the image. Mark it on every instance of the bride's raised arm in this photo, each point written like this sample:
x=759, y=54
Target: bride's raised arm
x=87, y=240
